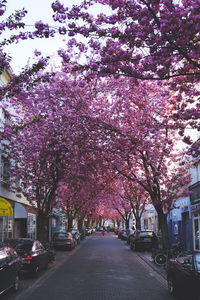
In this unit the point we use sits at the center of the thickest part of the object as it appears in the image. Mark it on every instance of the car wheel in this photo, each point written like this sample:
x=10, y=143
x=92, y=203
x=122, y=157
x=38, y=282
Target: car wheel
x=16, y=284
x=172, y=288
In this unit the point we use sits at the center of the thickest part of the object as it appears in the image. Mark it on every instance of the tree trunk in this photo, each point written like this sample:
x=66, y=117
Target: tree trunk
x=163, y=226
x=127, y=223
x=80, y=223
x=42, y=228
x=138, y=223
x=70, y=220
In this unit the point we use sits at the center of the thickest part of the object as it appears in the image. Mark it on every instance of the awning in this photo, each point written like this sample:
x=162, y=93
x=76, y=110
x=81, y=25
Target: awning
x=20, y=211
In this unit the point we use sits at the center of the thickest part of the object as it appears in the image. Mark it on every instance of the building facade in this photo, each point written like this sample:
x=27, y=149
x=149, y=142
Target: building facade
x=17, y=216
x=195, y=206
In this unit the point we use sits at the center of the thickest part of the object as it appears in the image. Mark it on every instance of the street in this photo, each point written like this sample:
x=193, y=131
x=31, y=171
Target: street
x=103, y=267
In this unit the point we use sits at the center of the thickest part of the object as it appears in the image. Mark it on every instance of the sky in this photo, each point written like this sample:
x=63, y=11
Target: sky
x=37, y=10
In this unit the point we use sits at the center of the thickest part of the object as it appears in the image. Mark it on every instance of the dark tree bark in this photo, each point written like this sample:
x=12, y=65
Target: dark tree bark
x=42, y=227
x=163, y=226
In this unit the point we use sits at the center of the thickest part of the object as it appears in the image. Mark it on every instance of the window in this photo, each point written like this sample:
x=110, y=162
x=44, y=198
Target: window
x=195, y=189
x=196, y=225
x=31, y=226
x=197, y=261
x=5, y=165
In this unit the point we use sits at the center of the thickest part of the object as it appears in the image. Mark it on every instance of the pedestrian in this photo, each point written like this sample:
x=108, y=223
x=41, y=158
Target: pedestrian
x=103, y=232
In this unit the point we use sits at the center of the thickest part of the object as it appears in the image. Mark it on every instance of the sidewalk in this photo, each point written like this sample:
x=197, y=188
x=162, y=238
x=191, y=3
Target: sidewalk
x=146, y=256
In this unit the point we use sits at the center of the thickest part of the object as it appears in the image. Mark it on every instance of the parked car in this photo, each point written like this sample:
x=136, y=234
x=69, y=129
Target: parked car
x=63, y=240
x=183, y=276
x=76, y=235
x=124, y=234
x=47, y=246
x=51, y=252
x=9, y=269
x=88, y=230
x=143, y=240
x=120, y=232
x=130, y=235
x=82, y=233
x=34, y=257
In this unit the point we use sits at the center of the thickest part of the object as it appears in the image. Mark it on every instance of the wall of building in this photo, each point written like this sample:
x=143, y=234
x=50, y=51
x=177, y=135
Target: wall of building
x=180, y=223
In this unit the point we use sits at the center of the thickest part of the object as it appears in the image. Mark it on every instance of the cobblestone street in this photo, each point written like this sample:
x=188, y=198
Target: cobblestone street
x=102, y=268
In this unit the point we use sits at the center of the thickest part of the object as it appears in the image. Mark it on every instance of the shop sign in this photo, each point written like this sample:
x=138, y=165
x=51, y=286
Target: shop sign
x=5, y=208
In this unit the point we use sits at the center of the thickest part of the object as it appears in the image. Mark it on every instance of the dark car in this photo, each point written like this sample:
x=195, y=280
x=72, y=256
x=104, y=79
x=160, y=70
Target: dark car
x=76, y=235
x=183, y=276
x=143, y=240
x=63, y=240
x=51, y=252
x=120, y=231
x=88, y=230
x=9, y=269
x=34, y=257
x=124, y=234
x=48, y=247
x=82, y=233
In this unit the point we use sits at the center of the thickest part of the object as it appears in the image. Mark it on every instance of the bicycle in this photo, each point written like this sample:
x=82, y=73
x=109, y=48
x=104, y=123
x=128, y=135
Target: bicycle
x=161, y=256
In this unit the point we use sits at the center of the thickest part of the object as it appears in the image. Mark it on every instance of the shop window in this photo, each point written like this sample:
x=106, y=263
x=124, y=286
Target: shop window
x=196, y=225
x=6, y=227
x=195, y=192
x=5, y=165
x=31, y=226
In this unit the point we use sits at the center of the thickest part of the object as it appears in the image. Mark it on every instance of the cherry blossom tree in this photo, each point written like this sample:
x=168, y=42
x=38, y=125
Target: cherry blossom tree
x=144, y=150
x=146, y=40
x=92, y=131
x=44, y=138
x=138, y=198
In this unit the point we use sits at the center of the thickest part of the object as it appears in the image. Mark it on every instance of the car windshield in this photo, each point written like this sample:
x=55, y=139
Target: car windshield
x=197, y=261
x=61, y=235
x=146, y=234
x=24, y=246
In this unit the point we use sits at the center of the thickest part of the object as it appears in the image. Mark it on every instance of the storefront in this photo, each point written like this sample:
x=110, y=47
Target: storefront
x=180, y=223
x=6, y=219
x=24, y=221
x=16, y=220
x=195, y=208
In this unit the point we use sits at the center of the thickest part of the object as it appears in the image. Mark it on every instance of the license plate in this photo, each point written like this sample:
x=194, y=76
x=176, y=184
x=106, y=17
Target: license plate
x=147, y=240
